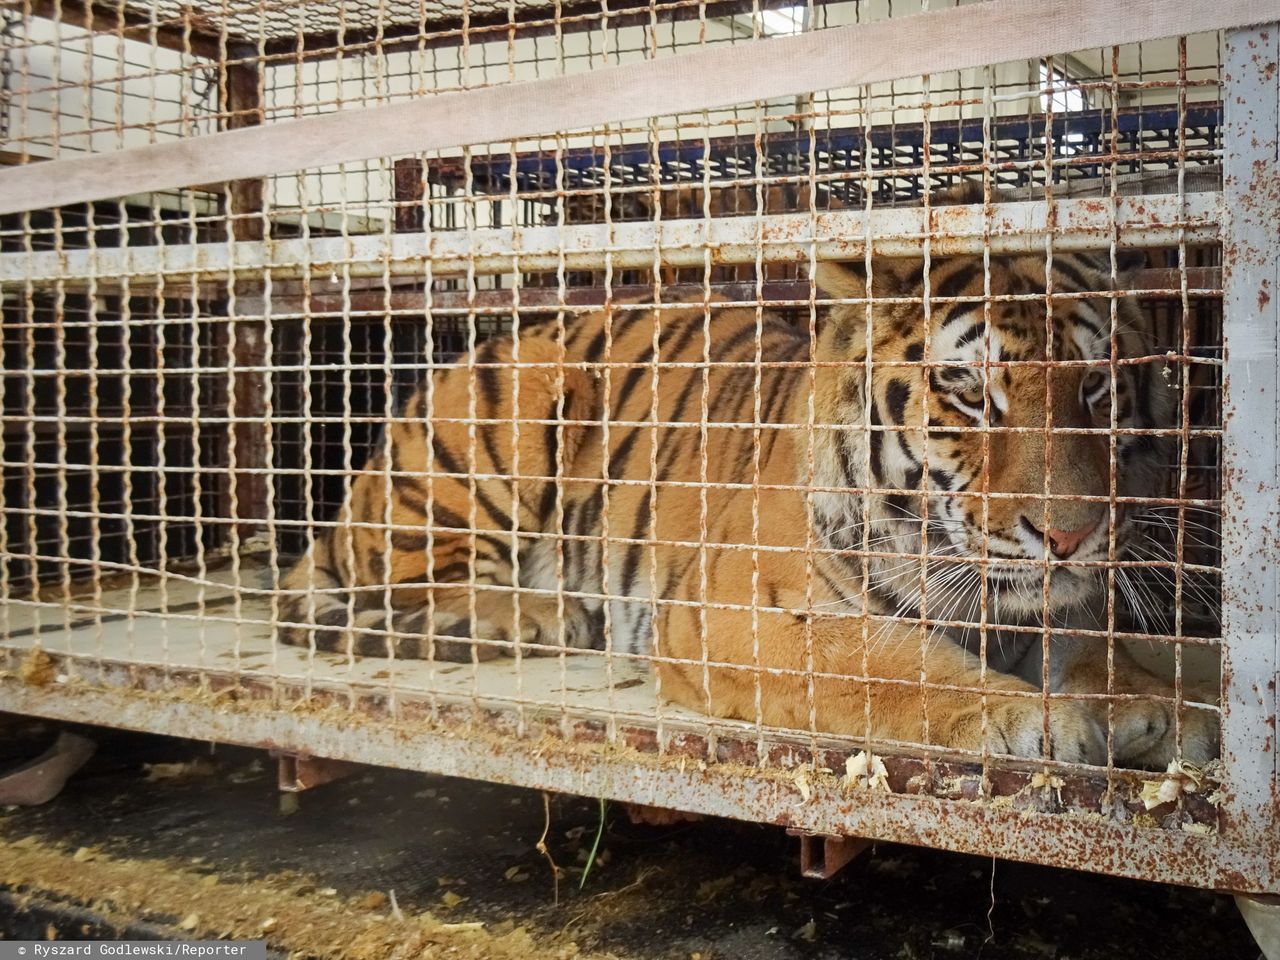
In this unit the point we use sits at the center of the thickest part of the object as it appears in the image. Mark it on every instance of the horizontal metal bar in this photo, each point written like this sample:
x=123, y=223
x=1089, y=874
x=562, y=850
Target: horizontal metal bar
x=1087, y=131
x=733, y=790
x=182, y=34
x=529, y=20
x=404, y=299
x=1020, y=227
x=934, y=42
x=409, y=305
x=201, y=34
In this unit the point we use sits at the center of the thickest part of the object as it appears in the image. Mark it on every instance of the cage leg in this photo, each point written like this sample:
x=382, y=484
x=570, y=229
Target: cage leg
x=1262, y=916
x=298, y=772
x=822, y=857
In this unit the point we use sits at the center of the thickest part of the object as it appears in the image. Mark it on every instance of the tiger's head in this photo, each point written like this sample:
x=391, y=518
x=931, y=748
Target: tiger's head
x=1031, y=427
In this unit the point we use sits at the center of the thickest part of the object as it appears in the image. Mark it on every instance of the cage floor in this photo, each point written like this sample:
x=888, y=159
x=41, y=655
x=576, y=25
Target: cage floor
x=190, y=640
x=192, y=626
x=183, y=625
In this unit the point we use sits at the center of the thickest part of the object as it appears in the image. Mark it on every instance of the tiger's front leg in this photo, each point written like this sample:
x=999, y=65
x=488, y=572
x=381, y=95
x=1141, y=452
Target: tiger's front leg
x=491, y=619
x=811, y=675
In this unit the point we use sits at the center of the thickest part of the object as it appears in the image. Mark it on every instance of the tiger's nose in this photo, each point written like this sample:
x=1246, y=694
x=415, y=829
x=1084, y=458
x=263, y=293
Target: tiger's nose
x=1064, y=543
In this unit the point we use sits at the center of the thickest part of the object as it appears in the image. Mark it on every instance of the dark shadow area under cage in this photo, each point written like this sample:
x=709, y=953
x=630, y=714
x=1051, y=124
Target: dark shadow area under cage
x=467, y=854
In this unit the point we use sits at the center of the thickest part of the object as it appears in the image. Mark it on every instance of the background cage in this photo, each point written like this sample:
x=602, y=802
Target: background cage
x=193, y=370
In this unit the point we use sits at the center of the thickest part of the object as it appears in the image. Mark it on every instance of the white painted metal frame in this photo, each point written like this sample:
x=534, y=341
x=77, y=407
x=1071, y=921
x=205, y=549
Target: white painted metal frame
x=1078, y=224
x=1251, y=432
x=1244, y=855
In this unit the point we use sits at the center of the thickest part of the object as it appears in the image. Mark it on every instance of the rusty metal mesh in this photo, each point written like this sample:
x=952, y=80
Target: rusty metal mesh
x=173, y=440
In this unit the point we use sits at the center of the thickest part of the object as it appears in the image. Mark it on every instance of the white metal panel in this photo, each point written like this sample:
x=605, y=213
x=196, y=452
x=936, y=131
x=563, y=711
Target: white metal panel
x=1251, y=548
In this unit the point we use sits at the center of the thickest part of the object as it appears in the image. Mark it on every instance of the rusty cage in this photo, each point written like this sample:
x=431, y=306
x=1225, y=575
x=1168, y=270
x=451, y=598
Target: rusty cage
x=235, y=236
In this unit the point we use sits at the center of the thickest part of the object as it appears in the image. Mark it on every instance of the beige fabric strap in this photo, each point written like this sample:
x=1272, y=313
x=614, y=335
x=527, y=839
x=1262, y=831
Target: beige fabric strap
x=953, y=39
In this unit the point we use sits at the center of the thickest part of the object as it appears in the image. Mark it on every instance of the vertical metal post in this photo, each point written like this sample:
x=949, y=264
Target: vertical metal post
x=245, y=109
x=407, y=189
x=1251, y=422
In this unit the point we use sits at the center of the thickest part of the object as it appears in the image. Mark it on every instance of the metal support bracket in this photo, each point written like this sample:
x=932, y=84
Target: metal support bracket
x=822, y=857
x=298, y=772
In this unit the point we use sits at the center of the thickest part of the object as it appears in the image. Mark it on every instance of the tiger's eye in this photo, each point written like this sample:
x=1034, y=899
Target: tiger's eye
x=973, y=395
x=1094, y=381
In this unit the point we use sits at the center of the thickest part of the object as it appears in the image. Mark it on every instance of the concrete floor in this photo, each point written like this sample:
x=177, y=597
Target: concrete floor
x=699, y=891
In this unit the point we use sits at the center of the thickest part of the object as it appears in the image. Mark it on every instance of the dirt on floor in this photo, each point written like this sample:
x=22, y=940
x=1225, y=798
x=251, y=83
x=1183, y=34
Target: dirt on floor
x=290, y=911
x=181, y=839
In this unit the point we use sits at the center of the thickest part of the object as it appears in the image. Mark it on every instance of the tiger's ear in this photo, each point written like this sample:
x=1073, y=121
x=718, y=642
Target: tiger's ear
x=845, y=324
x=847, y=279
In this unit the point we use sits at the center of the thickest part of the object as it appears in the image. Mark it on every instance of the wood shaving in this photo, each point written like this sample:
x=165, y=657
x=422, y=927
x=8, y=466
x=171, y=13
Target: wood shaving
x=865, y=771
x=801, y=779
x=1046, y=781
x=396, y=912
x=1180, y=777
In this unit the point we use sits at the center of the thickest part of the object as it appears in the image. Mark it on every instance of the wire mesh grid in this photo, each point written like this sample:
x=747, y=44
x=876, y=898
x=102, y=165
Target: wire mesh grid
x=879, y=426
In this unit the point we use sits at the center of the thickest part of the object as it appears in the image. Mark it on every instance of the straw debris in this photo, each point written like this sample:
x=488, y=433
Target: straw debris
x=293, y=916
x=37, y=668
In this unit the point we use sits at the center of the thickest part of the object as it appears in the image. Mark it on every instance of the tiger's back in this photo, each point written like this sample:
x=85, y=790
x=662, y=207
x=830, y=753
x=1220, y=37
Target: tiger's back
x=523, y=485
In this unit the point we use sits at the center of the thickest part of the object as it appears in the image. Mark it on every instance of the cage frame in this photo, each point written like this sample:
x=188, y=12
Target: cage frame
x=1242, y=856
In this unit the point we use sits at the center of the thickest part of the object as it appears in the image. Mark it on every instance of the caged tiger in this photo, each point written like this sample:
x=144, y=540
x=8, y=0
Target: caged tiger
x=797, y=513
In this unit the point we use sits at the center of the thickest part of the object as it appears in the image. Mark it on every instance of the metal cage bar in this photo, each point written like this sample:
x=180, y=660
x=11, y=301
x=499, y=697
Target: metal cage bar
x=211, y=313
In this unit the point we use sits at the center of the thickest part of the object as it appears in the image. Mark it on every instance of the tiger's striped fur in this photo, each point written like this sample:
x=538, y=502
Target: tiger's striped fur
x=603, y=484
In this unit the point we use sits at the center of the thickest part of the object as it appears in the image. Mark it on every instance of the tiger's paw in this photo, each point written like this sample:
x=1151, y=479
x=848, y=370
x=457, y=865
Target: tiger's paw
x=547, y=632
x=1016, y=728
x=1146, y=735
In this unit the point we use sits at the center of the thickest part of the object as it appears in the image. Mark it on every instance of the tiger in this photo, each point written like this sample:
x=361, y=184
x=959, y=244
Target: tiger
x=756, y=505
